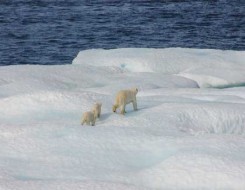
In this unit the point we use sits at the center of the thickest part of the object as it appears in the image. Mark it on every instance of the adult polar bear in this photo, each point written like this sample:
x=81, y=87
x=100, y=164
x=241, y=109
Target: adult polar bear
x=125, y=97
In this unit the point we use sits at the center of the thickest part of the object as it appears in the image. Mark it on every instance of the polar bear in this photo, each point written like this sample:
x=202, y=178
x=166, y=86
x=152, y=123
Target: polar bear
x=125, y=97
x=97, y=109
x=88, y=117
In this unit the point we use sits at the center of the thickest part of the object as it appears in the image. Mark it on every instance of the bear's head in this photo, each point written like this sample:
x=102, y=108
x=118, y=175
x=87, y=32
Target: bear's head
x=98, y=104
x=135, y=90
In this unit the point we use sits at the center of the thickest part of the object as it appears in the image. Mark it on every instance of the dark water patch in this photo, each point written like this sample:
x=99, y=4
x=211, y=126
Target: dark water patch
x=44, y=31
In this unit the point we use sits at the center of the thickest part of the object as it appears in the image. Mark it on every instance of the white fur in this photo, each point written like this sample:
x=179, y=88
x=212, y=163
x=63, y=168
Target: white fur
x=97, y=109
x=125, y=97
x=88, y=118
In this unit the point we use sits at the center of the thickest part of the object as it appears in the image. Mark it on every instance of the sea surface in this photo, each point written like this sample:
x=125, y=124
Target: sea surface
x=52, y=32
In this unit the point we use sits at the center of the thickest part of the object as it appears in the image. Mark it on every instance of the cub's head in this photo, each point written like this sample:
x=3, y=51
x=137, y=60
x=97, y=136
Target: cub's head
x=98, y=104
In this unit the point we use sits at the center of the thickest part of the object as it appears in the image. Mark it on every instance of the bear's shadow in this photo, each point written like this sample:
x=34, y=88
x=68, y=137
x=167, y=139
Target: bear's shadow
x=104, y=116
x=129, y=113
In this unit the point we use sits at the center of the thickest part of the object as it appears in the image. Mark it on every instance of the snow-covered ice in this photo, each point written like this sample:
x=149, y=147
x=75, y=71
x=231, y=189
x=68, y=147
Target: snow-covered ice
x=189, y=131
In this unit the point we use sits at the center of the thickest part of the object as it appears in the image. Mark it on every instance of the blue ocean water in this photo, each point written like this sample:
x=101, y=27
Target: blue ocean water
x=53, y=31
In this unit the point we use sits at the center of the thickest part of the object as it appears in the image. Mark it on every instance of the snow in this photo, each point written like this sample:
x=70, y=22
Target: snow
x=187, y=134
x=206, y=67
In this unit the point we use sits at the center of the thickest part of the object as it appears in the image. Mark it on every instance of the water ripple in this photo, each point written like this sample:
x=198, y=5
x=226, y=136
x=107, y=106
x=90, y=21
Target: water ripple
x=53, y=32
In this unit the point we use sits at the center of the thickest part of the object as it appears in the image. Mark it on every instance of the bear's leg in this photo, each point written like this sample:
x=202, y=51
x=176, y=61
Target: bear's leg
x=83, y=121
x=87, y=122
x=123, y=109
x=135, y=105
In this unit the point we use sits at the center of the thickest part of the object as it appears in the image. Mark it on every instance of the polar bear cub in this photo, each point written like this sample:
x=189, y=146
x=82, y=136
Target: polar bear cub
x=88, y=118
x=97, y=109
x=125, y=97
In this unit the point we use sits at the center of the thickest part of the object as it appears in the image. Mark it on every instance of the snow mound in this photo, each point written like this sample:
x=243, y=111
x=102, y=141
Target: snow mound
x=208, y=118
x=181, y=136
x=209, y=68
